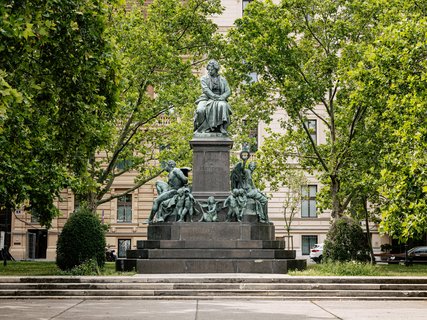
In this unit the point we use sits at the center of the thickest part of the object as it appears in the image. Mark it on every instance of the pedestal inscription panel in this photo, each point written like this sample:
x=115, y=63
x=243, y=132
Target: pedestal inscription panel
x=211, y=165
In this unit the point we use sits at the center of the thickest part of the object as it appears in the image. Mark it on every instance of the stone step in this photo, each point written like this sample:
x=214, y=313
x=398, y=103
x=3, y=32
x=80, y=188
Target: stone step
x=210, y=254
x=256, y=298
x=210, y=244
x=280, y=266
x=217, y=293
x=210, y=286
x=214, y=278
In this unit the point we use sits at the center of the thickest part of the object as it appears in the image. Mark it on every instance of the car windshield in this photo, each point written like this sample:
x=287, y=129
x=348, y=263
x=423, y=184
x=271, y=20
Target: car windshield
x=414, y=249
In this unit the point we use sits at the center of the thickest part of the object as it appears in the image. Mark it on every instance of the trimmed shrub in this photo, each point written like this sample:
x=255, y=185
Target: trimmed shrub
x=346, y=241
x=81, y=240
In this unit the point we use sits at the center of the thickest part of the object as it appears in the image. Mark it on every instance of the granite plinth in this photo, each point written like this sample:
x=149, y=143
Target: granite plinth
x=213, y=247
x=212, y=253
x=211, y=244
x=219, y=265
x=211, y=231
x=211, y=167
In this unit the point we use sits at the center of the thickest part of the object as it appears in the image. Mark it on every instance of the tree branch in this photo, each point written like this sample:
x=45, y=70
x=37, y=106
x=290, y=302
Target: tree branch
x=313, y=144
x=136, y=186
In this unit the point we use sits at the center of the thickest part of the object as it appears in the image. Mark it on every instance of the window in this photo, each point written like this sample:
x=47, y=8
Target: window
x=124, y=164
x=308, y=201
x=124, y=245
x=124, y=208
x=34, y=218
x=253, y=134
x=245, y=4
x=77, y=203
x=312, y=128
x=307, y=242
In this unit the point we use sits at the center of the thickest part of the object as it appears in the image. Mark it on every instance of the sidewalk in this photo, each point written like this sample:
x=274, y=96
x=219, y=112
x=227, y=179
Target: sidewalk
x=75, y=309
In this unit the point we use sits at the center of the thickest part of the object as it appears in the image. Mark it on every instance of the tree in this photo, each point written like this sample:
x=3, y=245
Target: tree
x=302, y=51
x=56, y=92
x=158, y=47
x=391, y=79
x=278, y=174
x=294, y=185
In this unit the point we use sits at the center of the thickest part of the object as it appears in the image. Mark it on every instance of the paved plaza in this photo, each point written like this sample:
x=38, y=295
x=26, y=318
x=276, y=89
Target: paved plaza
x=42, y=309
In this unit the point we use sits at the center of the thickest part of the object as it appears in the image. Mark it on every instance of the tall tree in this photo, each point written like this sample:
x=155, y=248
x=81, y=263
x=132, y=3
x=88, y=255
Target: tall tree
x=391, y=79
x=159, y=46
x=301, y=52
x=56, y=92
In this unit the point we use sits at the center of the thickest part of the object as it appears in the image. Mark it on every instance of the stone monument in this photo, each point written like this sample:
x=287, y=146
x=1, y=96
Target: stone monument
x=212, y=228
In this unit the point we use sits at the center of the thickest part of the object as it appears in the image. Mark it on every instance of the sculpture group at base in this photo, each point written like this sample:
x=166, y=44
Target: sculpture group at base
x=175, y=198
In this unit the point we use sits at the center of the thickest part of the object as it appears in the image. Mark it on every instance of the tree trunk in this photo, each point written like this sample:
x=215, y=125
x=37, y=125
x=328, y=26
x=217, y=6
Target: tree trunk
x=336, y=205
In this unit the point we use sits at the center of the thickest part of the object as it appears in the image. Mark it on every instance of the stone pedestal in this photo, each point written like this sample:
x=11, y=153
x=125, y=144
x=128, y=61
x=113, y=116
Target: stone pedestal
x=213, y=247
x=211, y=166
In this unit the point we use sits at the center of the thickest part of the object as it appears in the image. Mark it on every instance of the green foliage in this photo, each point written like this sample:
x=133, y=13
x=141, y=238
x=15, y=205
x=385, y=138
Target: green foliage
x=301, y=51
x=352, y=268
x=158, y=46
x=82, y=239
x=345, y=241
x=390, y=79
x=87, y=268
x=56, y=91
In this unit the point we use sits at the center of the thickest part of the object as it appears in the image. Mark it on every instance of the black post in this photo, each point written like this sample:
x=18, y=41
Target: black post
x=407, y=262
x=4, y=252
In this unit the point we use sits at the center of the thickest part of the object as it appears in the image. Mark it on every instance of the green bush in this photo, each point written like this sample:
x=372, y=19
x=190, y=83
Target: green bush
x=346, y=241
x=82, y=239
x=87, y=268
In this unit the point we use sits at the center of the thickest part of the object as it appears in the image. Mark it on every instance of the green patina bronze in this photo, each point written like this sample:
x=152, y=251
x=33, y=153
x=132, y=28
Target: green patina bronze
x=213, y=111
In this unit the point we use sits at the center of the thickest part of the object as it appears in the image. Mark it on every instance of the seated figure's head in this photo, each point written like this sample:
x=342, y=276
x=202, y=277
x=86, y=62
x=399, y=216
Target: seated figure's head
x=213, y=67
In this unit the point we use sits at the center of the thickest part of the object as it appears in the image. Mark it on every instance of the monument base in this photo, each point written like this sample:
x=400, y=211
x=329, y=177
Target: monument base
x=214, y=247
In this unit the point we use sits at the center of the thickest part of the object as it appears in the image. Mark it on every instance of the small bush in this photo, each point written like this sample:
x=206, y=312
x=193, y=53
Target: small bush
x=87, y=268
x=81, y=240
x=346, y=241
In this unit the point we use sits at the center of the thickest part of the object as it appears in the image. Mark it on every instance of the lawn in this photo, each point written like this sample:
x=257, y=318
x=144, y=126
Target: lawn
x=49, y=268
x=361, y=269
x=46, y=268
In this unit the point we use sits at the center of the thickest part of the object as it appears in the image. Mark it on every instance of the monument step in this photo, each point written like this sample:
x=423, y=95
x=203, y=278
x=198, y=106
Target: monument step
x=210, y=244
x=210, y=254
x=280, y=266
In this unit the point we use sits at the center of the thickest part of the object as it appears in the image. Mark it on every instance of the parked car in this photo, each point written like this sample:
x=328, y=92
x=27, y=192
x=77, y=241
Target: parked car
x=415, y=255
x=316, y=253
